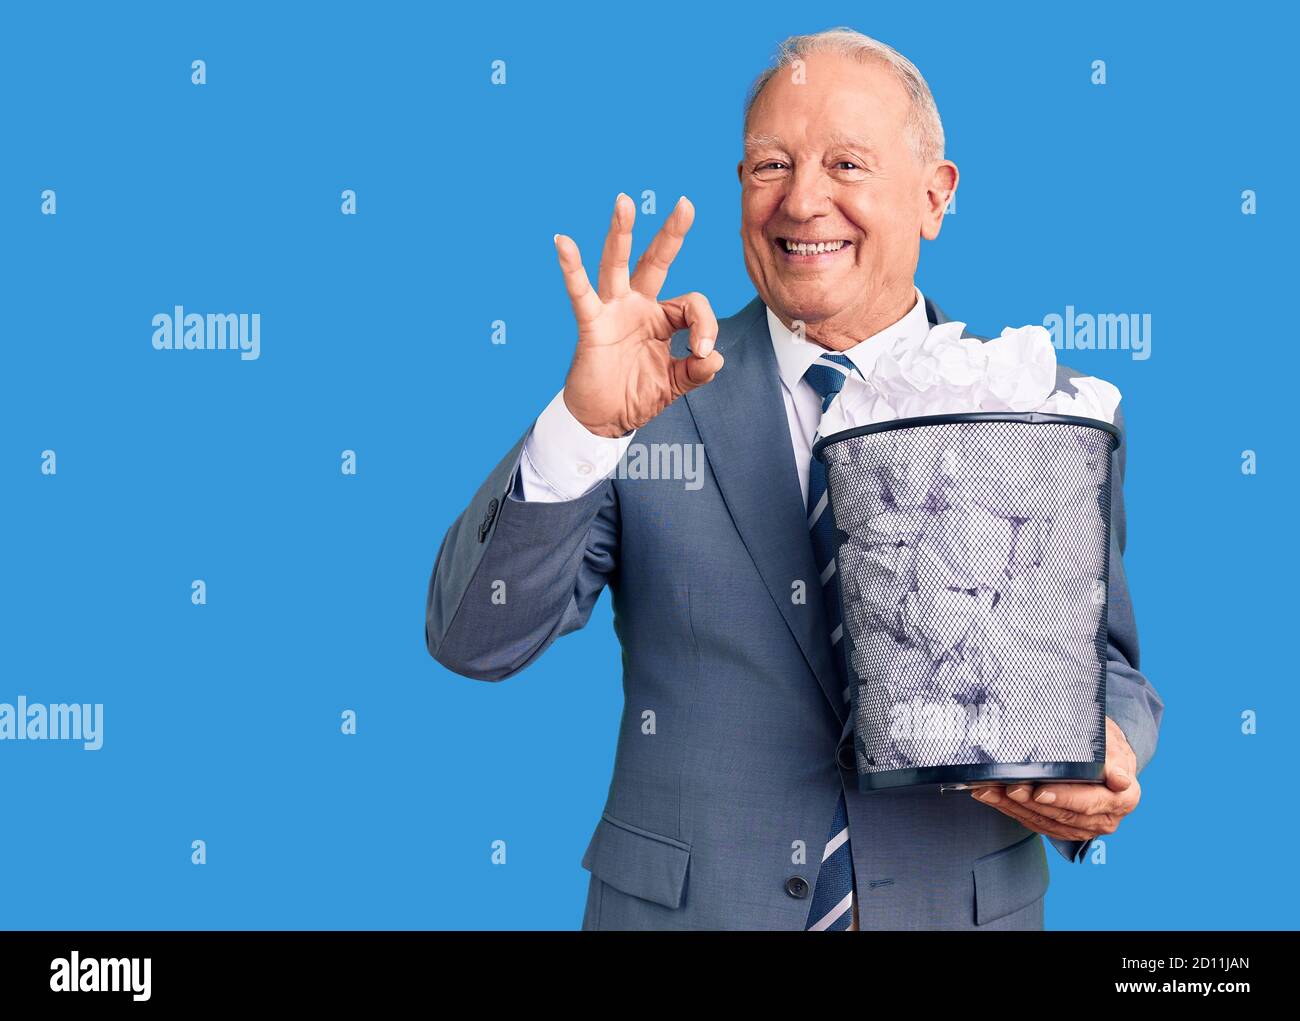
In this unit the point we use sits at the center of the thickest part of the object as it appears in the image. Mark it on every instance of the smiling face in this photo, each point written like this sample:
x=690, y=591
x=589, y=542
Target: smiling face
x=833, y=200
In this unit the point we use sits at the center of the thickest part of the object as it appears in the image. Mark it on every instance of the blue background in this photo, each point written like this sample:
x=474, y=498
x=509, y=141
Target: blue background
x=222, y=721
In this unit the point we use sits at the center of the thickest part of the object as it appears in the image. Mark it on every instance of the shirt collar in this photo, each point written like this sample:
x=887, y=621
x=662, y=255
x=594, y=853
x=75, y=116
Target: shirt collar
x=794, y=356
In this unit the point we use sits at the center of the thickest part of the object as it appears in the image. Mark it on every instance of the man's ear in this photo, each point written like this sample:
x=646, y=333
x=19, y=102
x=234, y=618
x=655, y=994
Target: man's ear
x=740, y=171
x=941, y=186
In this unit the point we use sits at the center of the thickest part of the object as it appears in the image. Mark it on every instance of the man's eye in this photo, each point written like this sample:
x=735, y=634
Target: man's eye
x=770, y=165
x=848, y=165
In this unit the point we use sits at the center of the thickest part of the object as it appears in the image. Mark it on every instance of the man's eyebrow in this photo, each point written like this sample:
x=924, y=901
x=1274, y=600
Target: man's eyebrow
x=762, y=141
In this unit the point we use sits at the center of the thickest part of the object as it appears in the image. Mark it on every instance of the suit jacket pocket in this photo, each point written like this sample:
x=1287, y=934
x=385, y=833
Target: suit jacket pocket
x=1010, y=879
x=638, y=862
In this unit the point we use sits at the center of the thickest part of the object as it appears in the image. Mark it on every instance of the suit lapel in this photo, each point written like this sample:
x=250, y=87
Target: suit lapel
x=741, y=420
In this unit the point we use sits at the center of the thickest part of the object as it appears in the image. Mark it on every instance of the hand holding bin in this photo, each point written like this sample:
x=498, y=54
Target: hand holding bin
x=973, y=559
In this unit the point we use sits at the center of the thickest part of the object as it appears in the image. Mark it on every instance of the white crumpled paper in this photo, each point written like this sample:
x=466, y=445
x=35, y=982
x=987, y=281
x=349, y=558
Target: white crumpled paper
x=947, y=373
x=1094, y=398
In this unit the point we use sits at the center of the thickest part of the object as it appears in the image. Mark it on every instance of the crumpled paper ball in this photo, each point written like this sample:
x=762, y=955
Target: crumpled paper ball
x=875, y=579
x=1029, y=545
x=947, y=373
x=944, y=367
x=894, y=525
x=1045, y=475
x=857, y=403
x=896, y=667
x=964, y=547
x=1094, y=398
x=866, y=482
x=1020, y=370
x=1065, y=556
x=939, y=619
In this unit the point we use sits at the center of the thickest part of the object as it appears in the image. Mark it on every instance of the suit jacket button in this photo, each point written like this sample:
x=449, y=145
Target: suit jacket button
x=846, y=757
x=797, y=887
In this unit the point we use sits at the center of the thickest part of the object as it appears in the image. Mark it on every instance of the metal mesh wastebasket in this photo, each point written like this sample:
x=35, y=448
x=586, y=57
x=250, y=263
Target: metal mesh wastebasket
x=973, y=561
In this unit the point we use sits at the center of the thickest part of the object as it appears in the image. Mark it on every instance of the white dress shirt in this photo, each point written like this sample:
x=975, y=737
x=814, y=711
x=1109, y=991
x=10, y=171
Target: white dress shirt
x=562, y=460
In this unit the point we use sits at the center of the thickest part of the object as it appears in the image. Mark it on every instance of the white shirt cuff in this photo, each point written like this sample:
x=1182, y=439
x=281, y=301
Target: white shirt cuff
x=562, y=459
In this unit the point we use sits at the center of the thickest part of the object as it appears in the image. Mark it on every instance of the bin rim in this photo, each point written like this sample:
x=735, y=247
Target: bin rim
x=1023, y=417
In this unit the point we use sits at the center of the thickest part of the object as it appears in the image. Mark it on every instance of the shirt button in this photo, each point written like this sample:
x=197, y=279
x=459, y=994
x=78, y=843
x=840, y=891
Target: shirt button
x=797, y=887
x=585, y=468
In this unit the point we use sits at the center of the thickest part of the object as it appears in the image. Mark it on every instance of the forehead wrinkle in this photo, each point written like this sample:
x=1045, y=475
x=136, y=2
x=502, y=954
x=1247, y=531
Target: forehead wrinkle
x=764, y=140
x=851, y=142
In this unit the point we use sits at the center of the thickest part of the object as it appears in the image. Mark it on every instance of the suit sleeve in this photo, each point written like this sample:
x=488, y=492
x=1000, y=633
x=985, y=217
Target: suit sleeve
x=1131, y=701
x=514, y=575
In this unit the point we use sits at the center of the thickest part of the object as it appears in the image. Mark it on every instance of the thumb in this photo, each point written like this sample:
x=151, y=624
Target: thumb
x=1117, y=777
x=691, y=372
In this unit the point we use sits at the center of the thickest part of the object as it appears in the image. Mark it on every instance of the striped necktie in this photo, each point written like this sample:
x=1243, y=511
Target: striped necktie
x=832, y=902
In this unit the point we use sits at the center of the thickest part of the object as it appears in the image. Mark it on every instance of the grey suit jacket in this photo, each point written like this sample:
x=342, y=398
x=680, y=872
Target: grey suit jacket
x=706, y=816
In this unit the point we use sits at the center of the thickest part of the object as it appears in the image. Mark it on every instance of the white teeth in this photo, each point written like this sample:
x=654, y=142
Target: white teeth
x=819, y=248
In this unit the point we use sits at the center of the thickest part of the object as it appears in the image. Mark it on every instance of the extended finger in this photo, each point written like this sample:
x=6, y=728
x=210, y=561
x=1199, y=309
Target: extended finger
x=694, y=311
x=1087, y=798
x=1020, y=792
x=586, y=305
x=1035, y=821
x=690, y=372
x=1042, y=824
x=652, y=267
x=611, y=281
x=1104, y=822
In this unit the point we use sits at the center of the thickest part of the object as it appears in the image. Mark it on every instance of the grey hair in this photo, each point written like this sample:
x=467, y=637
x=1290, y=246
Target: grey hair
x=924, y=129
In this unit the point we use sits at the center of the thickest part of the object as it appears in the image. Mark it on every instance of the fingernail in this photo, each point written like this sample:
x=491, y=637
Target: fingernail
x=555, y=238
x=706, y=346
x=1045, y=797
x=985, y=796
x=1018, y=794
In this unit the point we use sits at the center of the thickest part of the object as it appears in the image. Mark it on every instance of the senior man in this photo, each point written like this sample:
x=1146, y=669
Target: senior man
x=733, y=803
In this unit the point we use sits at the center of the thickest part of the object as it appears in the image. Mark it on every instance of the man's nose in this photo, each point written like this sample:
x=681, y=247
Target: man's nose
x=809, y=194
